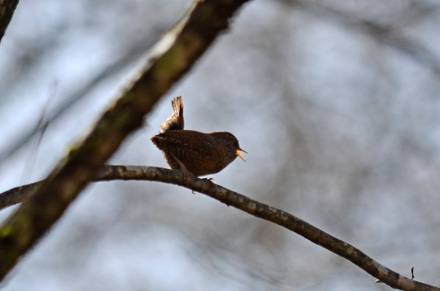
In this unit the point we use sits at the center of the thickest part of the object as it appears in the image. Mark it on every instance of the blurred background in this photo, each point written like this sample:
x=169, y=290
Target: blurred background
x=336, y=102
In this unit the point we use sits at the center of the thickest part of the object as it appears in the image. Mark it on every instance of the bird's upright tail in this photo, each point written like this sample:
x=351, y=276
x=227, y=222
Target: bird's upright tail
x=175, y=121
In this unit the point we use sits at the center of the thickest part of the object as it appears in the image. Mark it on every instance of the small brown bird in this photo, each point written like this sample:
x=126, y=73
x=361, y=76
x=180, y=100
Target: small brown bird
x=193, y=152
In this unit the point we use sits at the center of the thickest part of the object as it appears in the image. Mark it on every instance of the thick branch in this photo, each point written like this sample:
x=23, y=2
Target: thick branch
x=250, y=206
x=173, y=56
x=116, y=65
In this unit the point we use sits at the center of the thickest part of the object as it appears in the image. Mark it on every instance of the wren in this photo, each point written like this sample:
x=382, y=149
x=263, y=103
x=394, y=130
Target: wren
x=194, y=153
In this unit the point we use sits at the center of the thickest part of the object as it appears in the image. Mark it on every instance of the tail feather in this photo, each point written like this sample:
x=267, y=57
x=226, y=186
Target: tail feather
x=175, y=121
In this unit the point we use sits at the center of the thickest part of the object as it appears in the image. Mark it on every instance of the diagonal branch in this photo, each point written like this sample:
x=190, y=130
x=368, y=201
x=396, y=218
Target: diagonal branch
x=172, y=57
x=250, y=206
x=115, y=66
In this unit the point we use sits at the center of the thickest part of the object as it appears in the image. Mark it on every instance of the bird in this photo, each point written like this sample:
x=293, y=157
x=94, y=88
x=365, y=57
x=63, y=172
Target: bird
x=195, y=153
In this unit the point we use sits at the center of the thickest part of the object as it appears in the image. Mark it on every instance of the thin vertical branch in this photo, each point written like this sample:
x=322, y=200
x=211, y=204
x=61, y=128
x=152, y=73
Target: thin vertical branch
x=7, y=8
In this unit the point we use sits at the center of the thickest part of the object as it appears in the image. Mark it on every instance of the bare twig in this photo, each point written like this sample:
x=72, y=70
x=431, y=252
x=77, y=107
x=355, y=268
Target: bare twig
x=386, y=34
x=255, y=208
x=172, y=57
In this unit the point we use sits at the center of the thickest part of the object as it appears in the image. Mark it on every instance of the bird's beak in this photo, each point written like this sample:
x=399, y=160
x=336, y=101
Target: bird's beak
x=238, y=154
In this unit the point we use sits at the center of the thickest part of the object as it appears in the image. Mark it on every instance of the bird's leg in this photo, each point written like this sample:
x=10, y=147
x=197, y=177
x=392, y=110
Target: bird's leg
x=186, y=173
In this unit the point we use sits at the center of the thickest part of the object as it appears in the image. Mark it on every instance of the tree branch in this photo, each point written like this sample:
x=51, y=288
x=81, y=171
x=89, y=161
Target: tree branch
x=248, y=205
x=115, y=66
x=172, y=57
x=7, y=8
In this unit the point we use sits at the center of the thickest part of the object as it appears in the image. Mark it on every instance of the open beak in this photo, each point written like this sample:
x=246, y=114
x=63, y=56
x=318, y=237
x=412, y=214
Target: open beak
x=238, y=154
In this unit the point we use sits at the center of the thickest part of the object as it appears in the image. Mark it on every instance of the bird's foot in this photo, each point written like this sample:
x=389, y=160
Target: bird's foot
x=210, y=180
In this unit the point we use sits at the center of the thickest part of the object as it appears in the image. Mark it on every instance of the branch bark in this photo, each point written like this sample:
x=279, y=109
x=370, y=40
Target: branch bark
x=250, y=206
x=173, y=56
